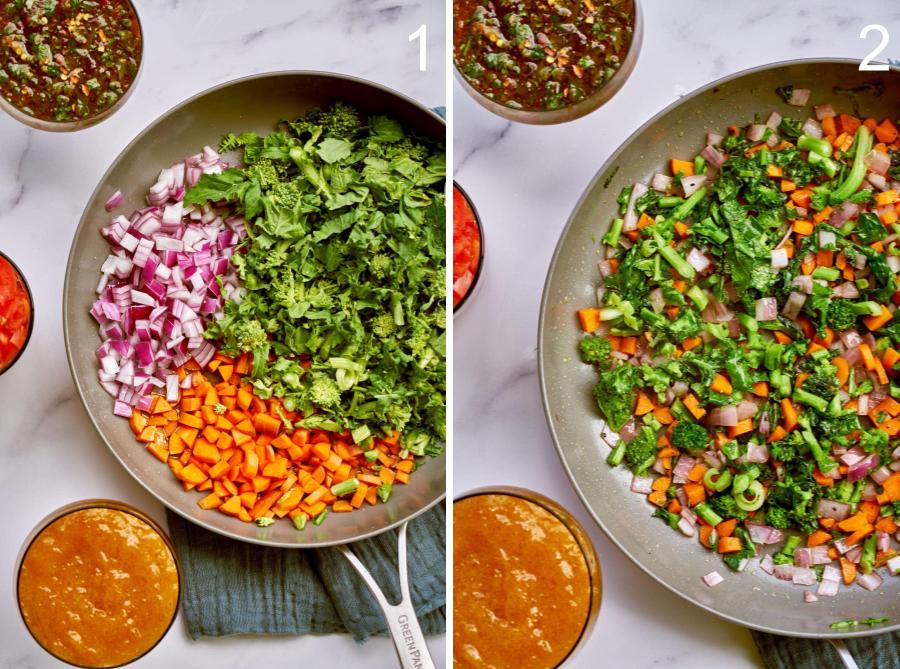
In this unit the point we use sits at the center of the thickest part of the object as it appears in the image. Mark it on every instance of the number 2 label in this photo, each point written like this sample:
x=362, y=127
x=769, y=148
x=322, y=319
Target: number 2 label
x=866, y=65
x=421, y=35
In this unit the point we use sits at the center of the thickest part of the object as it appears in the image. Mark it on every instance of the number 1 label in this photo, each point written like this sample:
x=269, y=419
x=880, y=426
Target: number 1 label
x=421, y=35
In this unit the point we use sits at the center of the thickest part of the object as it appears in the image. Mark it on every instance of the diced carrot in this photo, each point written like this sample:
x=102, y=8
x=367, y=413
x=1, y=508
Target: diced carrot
x=695, y=492
x=892, y=487
x=681, y=229
x=801, y=198
x=789, y=414
x=742, y=427
x=684, y=166
x=859, y=535
x=697, y=472
x=875, y=322
x=848, y=571
x=803, y=228
x=886, y=524
x=760, y=389
x=854, y=522
x=822, y=480
x=644, y=404
x=828, y=126
x=886, y=197
x=721, y=384
x=692, y=404
x=787, y=185
x=657, y=497
x=729, y=544
x=691, y=343
x=868, y=359
x=818, y=538
x=773, y=170
x=628, y=345
x=726, y=527
x=843, y=370
x=890, y=358
x=589, y=319
x=778, y=434
x=869, y=510
x=705, y=534
x=886, y=131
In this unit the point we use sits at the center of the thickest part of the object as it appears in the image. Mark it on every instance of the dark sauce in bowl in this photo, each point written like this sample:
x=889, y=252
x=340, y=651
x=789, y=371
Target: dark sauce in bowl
x=67, y=60
x=541, y=54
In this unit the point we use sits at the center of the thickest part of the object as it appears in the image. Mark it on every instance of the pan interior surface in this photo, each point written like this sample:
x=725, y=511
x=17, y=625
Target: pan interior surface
x=256, y=104
x=751, y=598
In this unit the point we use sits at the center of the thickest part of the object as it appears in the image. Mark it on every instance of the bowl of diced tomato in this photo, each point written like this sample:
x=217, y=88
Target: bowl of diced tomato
x=16, y=313
x=468, y=248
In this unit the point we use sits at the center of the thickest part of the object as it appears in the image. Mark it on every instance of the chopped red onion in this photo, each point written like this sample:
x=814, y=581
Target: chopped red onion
x=850, y=338
x=763, y=534
x=693, y=183
x=774, y=120
x=847, y=290
x=784, y=572
x=680, y=388
x=809, y=597
x=698, y=260
x=861, y=469
x=631, y=217
x=713, y=139
x=893, y=565
x=725, y=416
x=765, y=426
x=629, y=430
x=686, y=528
x=803, y=283
x=767, y=307
x=604, y=267
x=823, y=111
x=828, y=588
x=780, y=259
x=799, y=97
x=793, y=305
x=661, y=182
x=803, y=576
x=713, y=156
x=870, y=581
x=642, y=484
x=877, y=180
x=682, y=468
x=656, y=299
x=829, y=508
x=838, y=217
x=812, y=128
x=767, y=564
x=852, y=456
x=713, y=578
x=880, y=475
x=756, y=131
x=882, y=541
x=878, y=162
x=758, y=453
x=114, y=200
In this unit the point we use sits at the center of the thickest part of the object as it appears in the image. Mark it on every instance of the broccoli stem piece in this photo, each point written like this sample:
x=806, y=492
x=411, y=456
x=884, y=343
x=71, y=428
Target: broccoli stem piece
x=616, y=455
x=809, y=399
x=699, y=165
x=858, y=171
x=823, y=460
x=706, y=513
x=611, y=238
x=830, y=166
x=669, y=201
x=867, y=561
x=610, y=314
x=827, y=273
x=698, y=296
x=686, y=207
x=786, y=554
x=868, y=308
x=672, y=257
x=820, y=146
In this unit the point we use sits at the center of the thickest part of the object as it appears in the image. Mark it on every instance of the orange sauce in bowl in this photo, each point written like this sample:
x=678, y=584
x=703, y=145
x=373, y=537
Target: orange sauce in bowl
x=521, y=585
x=98, y=587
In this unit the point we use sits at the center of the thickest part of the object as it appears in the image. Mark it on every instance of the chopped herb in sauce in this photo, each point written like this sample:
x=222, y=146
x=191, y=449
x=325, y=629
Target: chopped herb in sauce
x=540, y=55
x=66, y=60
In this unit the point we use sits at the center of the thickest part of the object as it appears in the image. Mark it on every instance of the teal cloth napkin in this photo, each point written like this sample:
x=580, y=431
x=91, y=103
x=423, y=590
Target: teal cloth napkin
x=784, y=652
x=233, y=587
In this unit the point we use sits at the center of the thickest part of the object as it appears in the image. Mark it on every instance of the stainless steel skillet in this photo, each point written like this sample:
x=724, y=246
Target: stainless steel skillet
x=254, y=103
x=751, y=598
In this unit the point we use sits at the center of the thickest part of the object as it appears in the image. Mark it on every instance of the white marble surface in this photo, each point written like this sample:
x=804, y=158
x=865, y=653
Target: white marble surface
x=49, y=452
x=524, y=181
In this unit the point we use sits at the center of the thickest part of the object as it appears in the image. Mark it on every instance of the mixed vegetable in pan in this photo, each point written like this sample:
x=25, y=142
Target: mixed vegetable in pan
x=748, y=350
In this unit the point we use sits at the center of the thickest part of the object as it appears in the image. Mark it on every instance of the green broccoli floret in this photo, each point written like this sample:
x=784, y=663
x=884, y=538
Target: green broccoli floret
x=412, y=149
x=340, y=121
x=324, y=392
x=246, y=335
x=786, y=449
x=873, y=440
x=726, y=506
x=841, y=315
x=594, y=350
x=689, y=436
x=778, y=517
x=439, y=316
x=640, y=452
x=383, y=325
x=263, y=170
x=286, y=193
x=380, y=265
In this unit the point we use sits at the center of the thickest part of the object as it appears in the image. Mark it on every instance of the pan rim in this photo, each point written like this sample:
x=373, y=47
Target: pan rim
x=70, y=262
x=545, y=401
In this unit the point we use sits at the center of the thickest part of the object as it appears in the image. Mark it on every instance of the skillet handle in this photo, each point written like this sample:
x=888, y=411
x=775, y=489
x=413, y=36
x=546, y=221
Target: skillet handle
x=402, y=623
x=845, y=655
